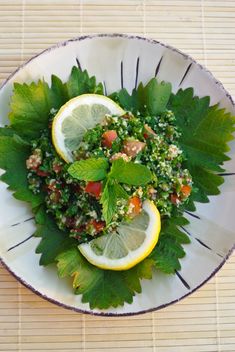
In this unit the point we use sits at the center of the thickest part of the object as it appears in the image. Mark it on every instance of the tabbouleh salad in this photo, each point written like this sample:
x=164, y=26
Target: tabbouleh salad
x=148, y=140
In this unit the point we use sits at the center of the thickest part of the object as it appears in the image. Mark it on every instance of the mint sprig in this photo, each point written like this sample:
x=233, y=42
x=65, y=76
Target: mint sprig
x=121, y=172
x=130, y=173
x=91, y=169
x=109, y=201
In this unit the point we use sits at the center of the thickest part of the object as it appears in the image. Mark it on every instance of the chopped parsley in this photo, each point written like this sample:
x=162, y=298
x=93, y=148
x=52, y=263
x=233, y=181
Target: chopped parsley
x=77, y=196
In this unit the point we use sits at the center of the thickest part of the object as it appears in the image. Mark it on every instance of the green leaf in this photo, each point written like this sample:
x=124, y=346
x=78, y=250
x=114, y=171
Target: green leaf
x=31, y=103
x=13, y=155
x=167, y=254
x=205, y=133
x=143, y=270
x=80, y=83
x=169, y=248
x=92, y=169
x=59, y=92
x=53, y=240
x=127, y=101
x=150, y=99
x=157, y=96
x=120, y=191
x=108, y=201
x=130, y=173
x=112, y=191
x=109, y=290
x=102, y=288
x=30, y=107
x=6, y=131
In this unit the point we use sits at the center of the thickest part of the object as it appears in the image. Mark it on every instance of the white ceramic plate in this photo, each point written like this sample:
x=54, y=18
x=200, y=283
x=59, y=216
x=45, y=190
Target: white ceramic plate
x=122, y=61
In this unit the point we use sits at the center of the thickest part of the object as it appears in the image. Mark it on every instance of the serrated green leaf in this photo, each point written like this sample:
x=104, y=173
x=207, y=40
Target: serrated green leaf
x=169, y=248
x=32, y=103
x=157, y=96
x=150, y=99
x=53, y=240
x=101, y=288
x=128, y=102
x=59, y=92
x=92, y=169
x=142, y=270
x=205, y=133
x=13, y=155
x=30, y=107
x=130, y=173
x=80, y=83
x=166, y=255
x=6, y=131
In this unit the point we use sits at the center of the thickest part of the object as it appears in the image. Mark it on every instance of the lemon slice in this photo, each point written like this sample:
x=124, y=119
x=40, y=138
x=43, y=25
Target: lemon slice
x=129, y=244
x=76, y=117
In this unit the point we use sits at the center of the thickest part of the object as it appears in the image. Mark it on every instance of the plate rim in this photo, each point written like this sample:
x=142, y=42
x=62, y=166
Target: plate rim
x=215, y=80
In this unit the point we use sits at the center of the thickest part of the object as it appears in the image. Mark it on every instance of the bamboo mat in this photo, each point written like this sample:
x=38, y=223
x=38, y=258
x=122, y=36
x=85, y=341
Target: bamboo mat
x=204, y=321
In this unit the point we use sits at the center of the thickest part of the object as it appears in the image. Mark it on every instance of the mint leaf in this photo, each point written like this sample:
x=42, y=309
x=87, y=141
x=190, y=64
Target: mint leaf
x=130, y=173
x=92, y=169
x=80, y=83
x=102, y=288
x=108, y=201
x=111, y=193
x=13, y=155
x=120, y=191
x=53, y=240
x=205, y=133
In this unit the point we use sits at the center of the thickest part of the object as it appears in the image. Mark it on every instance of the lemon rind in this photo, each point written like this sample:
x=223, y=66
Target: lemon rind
x=155, y=224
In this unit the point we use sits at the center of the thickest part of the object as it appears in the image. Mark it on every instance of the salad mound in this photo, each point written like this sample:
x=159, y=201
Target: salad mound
x=164, y=151
x=75, y=203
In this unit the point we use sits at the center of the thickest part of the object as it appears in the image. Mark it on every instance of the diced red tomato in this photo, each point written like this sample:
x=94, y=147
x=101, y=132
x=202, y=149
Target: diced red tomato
x=98, y=225
x=136, y=205
x=132, y=148
x=186, y=190
x=174, y=199
x=76, y=232
x=57, y=168
x=94, y=188
x=79, y=229
x=108, y=138
x=52, y=186
x=42, y=173
x=55, y=196
x=148, y=132
x=70, y=222
x=34, y=168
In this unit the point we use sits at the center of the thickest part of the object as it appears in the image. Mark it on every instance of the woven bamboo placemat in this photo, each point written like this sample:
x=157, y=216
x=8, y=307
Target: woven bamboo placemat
x=204, y=321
